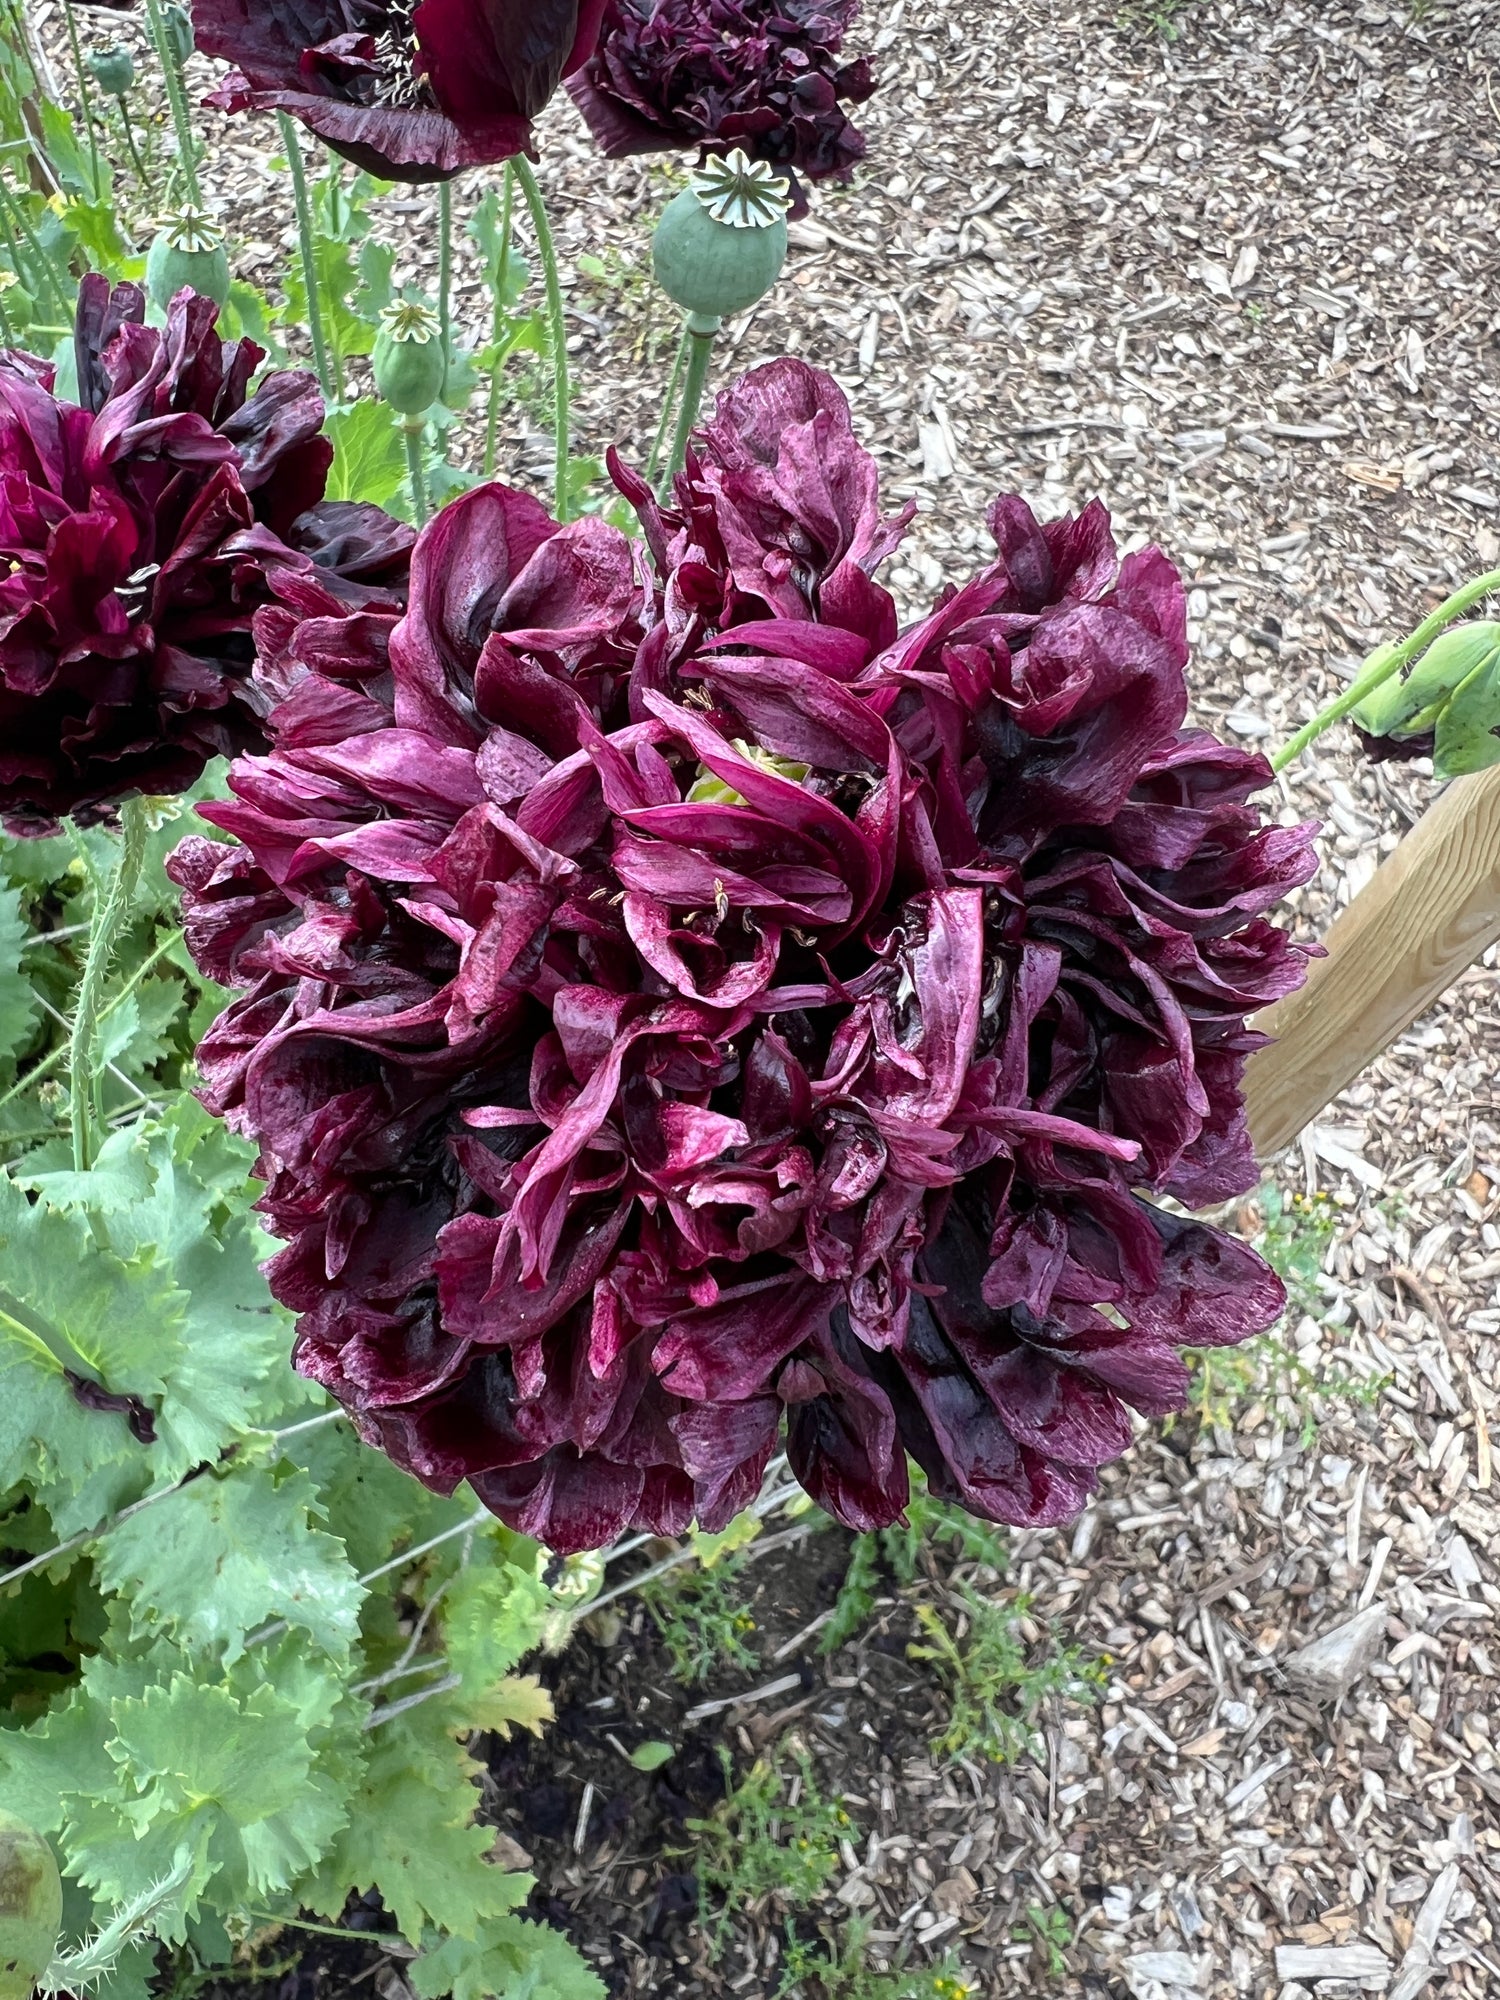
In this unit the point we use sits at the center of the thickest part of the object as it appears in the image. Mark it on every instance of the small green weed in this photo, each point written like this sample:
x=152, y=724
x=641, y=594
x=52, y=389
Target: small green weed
x=702, y=1618
x=841, y=1971
x=997, y=1681
x=1162, y=18
x=897, y=1552
x=768, y=1838
x=1050, y=1929
x=1297, y=1236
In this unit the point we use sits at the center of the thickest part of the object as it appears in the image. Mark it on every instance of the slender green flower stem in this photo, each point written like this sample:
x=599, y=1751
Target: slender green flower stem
x=104, y=934
x=502, y=279
x=557, y=321
x=702, y=331
x=412, y=430
x=46, y=276
x=7, y=331
x=1382, y=663
x=679, y=368
x=85, y=98
x=182, y=124
x=134, y=150
x=445, y=266
x=307, y=250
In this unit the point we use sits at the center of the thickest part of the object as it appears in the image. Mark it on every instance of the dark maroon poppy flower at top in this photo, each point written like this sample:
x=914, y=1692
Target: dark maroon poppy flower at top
x=763, y=75
x=136, y=530
x=681, y=1008
x=411, y=92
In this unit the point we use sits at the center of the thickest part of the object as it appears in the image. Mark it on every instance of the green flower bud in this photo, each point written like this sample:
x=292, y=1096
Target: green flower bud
x=1410, y=704
x=113, y=70
x=188, y=250
x=30, y=1907
x=179, y=27
x=409, y=362
x=720, y=245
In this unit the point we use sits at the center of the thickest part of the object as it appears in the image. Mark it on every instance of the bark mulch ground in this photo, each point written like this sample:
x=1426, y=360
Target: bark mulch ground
x=1243, y=284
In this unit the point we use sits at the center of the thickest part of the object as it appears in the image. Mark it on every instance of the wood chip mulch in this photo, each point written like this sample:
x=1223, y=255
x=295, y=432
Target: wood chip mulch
x=1244, y=285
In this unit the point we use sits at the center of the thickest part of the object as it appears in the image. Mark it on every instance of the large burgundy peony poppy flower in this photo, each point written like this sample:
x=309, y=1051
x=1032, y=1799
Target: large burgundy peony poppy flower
x=136, y=531
x=763, y=75
x=413, y=90
x=682, y=1009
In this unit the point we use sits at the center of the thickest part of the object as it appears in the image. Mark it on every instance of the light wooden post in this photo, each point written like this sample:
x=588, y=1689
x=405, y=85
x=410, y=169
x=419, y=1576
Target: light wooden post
x=1428, y=912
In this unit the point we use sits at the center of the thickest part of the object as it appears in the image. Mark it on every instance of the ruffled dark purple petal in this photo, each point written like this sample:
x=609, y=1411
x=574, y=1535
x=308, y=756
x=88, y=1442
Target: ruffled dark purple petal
x=677, y=1009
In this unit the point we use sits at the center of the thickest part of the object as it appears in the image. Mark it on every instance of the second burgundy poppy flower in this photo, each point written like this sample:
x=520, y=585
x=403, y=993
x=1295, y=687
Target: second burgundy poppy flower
x=409, y=92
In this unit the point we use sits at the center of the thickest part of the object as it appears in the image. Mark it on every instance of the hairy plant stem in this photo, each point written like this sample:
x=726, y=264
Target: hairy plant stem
x=702, y=331
x=182, y=124
x=104, y=935
x=502, y=279
x=412, y=431
x=1382, y=663
x=557, y=321
x=669, y=404
x=307, y=249
x=445, y=266
x=85, y=97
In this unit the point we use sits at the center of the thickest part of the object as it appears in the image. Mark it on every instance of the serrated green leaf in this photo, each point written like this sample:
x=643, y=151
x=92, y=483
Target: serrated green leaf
x=510, y=1959
x=19, y=1012
x=336, y=277
x=68, y=1304
x=375, y=1508
x=369, y=454
x=225, y=1554
x=411, y=1835
x=377, y=264
x=492, y=1617
x=232, y=1778
x=233, y=1375
x=59, y=1758
x=516, y=1701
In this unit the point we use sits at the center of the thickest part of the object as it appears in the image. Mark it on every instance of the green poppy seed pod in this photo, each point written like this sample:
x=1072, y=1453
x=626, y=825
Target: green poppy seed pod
x=409, y=363
x=30, y=1907
x=113, y=70
x=721, y=243
x=188, y=250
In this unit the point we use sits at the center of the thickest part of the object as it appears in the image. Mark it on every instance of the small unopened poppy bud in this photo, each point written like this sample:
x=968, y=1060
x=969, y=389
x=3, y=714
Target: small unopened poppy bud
x=188, y=250
x=409, y=363
x=179, y=27
x=113, y=70
x=30, y=1907
x=721, y=243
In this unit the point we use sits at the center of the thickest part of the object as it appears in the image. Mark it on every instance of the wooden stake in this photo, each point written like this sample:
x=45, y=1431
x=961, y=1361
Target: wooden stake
x=1423, y=919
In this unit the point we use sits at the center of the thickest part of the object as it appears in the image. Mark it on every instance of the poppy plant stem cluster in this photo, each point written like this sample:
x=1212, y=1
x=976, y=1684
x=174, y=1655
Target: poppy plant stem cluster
x=682, y=1008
